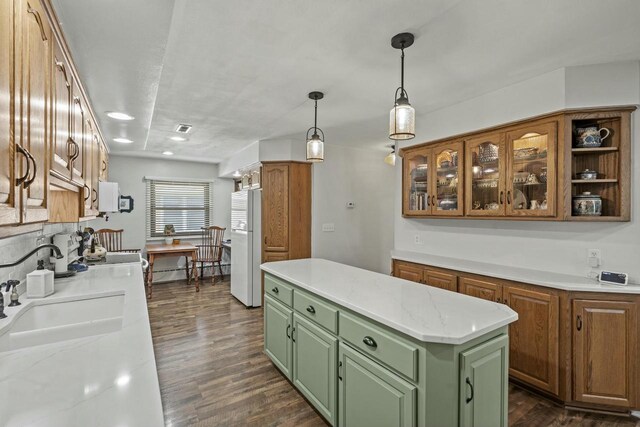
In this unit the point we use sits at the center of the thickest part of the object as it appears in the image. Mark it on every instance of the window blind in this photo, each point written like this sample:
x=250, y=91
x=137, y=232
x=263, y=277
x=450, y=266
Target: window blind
x=185, y=205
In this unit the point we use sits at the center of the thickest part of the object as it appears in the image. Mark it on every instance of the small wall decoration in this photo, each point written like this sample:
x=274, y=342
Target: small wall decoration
x=126, y=204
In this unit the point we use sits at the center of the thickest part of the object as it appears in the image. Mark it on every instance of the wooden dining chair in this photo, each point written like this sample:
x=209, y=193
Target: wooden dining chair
x=210, y=250
x=111, y=240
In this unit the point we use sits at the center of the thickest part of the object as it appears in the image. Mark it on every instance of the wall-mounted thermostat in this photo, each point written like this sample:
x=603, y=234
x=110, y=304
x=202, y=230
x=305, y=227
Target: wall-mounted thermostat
x=612, y=278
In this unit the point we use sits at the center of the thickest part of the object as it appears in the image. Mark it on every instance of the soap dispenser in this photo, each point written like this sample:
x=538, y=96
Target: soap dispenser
x=14, y=293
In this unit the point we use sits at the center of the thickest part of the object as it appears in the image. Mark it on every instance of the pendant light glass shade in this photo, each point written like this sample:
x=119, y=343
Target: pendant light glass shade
x=402, y=120
x=315, y=148
x=315, y=142
x=390, y=159
x=402, y=117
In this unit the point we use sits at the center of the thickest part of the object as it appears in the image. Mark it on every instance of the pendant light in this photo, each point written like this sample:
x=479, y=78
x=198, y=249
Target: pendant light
x=390, y=159
x=315, y=143
x=402, y=116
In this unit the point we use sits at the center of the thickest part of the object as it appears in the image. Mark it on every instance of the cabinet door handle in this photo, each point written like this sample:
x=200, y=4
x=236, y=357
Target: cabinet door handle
x=76, y=150
x=497, y=299
x=501, y=197
x=579, y=322
x=311, y=310
x=288, y=329
x=22, y=179
x=39, y=22
x=275, y=290
x=95, y=198
x=470, y=398
x=509, y=197
x=86, y=187
x=29, y=181
x=370, y=342
x=265, y=240
x=104, y=166
x=433, y=200
x=293, y=337
x=340, y=370
x=428, y=200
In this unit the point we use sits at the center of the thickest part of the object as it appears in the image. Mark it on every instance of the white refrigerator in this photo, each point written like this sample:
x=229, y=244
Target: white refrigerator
x=246, y=246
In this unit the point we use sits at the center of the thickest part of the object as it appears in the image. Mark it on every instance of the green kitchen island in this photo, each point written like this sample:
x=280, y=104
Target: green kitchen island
x=370, y=350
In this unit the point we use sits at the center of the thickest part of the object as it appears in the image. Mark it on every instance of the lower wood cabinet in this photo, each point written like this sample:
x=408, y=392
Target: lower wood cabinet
x=315, y=355
x=533, y=354
x=480, y=289
x=484, y=395
x=440, y=279
x=371, y=395
x=407, y=271
x=605, y=352
x=278, y=321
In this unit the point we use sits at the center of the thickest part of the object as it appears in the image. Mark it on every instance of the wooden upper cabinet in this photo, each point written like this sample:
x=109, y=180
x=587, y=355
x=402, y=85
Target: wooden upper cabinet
x=78, y=137
x=485, y=168
x=408, y=271
x=275, y=209
x=531, y=170
x=447, y=179
x=441, y=279
x=480, y=289
x=533, y=355
x=63, y=146
x=9, y=198
x=605, y=352
x=416, y=179
x=35, y=64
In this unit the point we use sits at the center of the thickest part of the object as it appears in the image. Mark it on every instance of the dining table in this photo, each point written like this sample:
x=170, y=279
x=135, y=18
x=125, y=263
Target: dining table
x=187, y=250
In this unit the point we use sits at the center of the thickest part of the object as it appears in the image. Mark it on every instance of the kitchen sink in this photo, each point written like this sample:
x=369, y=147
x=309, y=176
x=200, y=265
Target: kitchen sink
x=46, y=322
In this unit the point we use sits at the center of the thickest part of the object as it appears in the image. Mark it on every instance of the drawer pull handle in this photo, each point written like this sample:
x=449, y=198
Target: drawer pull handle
x=311, y=310
x=340, y=370
x=275, y=291
x=288, y=328
x=470, y=398
x=370, y=342
x=293, y=331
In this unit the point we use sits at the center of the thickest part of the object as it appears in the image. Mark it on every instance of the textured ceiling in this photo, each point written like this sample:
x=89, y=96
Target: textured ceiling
x=239, y=71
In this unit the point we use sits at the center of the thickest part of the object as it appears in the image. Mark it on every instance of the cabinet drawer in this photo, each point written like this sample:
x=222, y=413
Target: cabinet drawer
x=316, y=310
x=441, y=280
x=384, y=346
x=278, y=289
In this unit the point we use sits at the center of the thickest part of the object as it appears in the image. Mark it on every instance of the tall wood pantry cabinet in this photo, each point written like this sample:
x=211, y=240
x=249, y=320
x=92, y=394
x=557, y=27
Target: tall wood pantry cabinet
x=286, y=210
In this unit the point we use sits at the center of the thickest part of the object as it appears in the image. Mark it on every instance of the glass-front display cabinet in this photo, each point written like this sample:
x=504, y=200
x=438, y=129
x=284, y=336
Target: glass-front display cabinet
x=416, y=179
x=531, y=184
x=448, y=172
x=485, y=160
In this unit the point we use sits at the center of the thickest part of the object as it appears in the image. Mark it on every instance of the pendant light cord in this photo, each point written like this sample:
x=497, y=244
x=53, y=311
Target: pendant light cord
x=402, y=70
x=315, y=118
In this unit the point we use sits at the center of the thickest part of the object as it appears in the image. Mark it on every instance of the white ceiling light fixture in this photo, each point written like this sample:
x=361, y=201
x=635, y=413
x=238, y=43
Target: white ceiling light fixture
x=402, y=118
x=119, y=116
x=167, y=153
x=315, y=143
x=123, y=140
x=183, y=128
x=237, y=174
x=390, y=159
x=178, y=138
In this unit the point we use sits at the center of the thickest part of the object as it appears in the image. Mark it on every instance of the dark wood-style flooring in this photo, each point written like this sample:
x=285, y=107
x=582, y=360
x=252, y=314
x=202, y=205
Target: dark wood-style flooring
x=213, y=372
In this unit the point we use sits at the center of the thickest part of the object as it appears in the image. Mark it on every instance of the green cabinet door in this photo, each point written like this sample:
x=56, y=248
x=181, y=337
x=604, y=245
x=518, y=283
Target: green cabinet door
x=484, y=384
x=277, y=334
x=371, y=395
x=315, y=363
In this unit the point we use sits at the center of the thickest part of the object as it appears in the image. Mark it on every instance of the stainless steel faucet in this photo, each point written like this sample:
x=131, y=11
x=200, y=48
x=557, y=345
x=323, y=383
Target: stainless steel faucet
x=21, y=260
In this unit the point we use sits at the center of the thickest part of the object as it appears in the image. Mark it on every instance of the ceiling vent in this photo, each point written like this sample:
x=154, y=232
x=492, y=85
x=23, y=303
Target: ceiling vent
x=182, y=128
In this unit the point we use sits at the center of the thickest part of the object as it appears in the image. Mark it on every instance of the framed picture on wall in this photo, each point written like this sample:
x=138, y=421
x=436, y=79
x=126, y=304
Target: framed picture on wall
x=126, y=204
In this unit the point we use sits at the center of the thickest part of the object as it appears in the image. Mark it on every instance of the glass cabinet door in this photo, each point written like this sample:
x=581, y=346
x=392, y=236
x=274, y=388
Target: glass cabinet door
x=531, y=179
x=447, y=179
x=484, y=178
x=416, y=197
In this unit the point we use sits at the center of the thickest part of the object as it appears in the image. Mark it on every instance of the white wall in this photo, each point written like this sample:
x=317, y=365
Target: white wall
x=129, y=172
x=363, y=236
x=552, y=246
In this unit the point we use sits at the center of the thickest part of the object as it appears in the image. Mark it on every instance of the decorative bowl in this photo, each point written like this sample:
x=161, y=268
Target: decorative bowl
x=587, y=204
x=588, y=174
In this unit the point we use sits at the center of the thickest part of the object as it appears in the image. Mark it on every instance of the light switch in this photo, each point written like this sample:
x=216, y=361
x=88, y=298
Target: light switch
x=329, y=226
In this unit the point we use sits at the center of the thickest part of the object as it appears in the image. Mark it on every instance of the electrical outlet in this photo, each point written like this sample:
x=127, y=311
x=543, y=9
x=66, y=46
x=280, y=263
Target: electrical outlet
x=418, y=239
x=594, y=258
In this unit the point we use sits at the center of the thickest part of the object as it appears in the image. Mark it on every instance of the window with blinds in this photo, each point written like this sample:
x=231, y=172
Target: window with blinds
x=185, y=205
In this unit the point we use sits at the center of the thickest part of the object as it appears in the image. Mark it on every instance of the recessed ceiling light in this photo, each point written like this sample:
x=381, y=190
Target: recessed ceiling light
x=123, y=140
x=183, y=128
x=178, y=138
x=119, y=116
x=167, y=153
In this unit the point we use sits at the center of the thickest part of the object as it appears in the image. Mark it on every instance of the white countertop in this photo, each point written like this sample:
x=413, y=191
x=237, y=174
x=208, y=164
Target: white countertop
x=535, y=277
x=423, y=312
x=105, y=380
